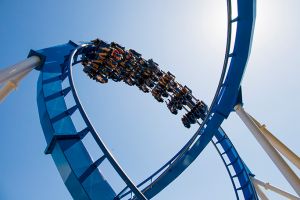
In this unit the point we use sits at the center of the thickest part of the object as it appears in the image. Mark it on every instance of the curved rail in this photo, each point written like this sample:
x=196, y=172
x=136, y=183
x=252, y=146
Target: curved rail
x=64, y=141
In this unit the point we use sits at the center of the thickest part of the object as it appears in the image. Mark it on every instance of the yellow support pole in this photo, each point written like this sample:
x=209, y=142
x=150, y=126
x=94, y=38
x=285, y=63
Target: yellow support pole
x=277, y=159
x=11, y=85
x=281, y=147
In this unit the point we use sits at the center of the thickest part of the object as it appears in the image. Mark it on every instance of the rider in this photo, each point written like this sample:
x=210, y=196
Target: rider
x=186, y=121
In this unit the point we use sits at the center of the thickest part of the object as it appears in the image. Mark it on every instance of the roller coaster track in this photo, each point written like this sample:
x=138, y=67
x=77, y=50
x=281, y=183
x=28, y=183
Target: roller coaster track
x=80, y=173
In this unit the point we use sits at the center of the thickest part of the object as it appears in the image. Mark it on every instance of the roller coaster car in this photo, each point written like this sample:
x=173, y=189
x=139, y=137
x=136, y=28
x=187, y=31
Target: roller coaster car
x=119, y=72
x=157, y=94
x=87, y=49
x=201, y=107
x=129, y=81
x=128, y=66
x=183, y=94
x=155, y=91
x=102, y=57
x=139, y=82
x=127, y=73
x=197, y=113
x=105, y=69
x=104, y=49
x=117, y=68
x=187, y=92
x=116, y=55
x=135, y=53
x=100, y=43
x=98, y=61
x=178, y=105
x=162, y=83
x=90, y=68
x=171, y=87
x=185, y=122
x=191, y=117
x=146, y=73
x=136, y=72
x=152, y=64
x=144, y=88
x=154, y=78
x=96, y=41
x=126, y=58
x=112, y=64
x=101, y=79
x=166, y=79
x=164, y=94
x=113, y=76
x=170, y=75
x=116, y=45
x=129, y=56
x=90, y=74
x=142, y=62
x=104, y=53
x=90, y=55
x=160, y=91
x=171, y=107
x=85, y=63
x=159, y=99
x=159, y=73
x=149, y=83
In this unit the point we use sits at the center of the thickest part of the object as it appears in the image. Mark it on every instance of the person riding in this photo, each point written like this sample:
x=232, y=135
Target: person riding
x=104, y=53
x=102, y=79
x=186, y=121
x=157, y=94
x=172, y=107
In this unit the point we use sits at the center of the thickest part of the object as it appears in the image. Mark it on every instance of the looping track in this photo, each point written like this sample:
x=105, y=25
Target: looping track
x=79, y=171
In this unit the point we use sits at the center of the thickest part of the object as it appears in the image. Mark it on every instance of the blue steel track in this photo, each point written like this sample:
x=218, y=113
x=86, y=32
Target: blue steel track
x=80, y=173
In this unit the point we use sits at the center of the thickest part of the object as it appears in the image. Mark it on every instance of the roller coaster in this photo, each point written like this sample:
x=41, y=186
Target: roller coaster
x=102, y=62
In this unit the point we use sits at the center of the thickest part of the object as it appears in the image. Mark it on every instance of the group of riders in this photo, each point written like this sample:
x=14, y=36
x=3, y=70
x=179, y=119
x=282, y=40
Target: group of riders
x=103, y=61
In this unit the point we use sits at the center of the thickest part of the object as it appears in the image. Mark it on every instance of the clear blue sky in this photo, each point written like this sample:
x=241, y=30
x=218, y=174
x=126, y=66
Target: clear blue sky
x=184, y=37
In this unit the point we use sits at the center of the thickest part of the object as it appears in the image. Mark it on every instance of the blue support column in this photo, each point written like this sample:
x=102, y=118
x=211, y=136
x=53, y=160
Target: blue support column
x=64, y=141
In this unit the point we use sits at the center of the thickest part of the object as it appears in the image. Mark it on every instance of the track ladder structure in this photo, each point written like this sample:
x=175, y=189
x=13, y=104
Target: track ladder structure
x=239, y=173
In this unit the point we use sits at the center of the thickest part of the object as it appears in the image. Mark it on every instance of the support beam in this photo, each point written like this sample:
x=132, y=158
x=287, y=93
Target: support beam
x=268, y=186
x=11, y=85
x=282, y=148
x=260, y=193
x=283, y=167
x=19, y=68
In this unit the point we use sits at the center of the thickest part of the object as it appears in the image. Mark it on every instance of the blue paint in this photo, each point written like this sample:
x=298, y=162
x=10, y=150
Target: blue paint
x=69, y=155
